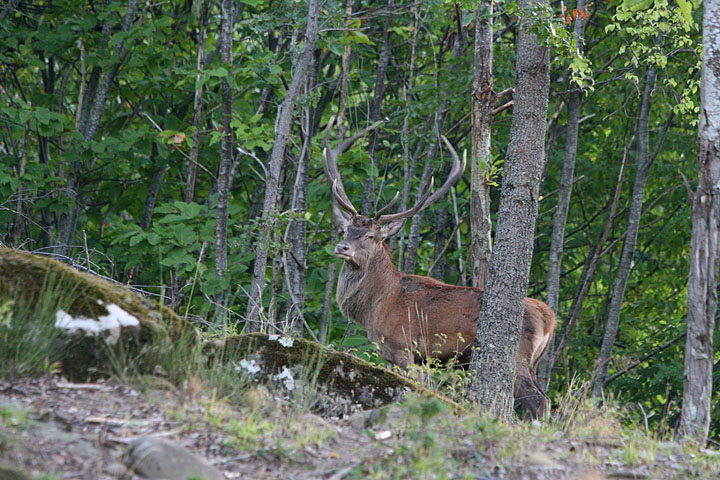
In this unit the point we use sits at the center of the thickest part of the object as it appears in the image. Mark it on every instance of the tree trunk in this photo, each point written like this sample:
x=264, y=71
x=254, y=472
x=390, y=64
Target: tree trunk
x=223, y=180
x=483, y=101
x=704, y=244
x=644, y=161
x=492, y=368
x=563, y=204
x=202, y=14
x=282, y=134
x=414, y=236
x=295, y=259
x=153, y=189
x=325, y=320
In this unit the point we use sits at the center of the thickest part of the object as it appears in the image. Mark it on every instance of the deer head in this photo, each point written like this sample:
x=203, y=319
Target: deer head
x=363, y=235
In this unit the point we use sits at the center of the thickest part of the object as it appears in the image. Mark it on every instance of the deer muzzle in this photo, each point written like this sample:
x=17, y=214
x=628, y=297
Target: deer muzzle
x=344, y=251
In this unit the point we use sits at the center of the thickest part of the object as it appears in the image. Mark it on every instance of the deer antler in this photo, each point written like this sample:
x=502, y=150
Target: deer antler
x=426, y=200
x=330, y=163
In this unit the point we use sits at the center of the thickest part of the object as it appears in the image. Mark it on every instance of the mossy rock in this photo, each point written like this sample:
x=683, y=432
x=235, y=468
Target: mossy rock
x=344, y=382
x=93, y=314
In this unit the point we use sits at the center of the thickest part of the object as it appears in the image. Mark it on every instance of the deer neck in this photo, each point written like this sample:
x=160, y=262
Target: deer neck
x=360, y=291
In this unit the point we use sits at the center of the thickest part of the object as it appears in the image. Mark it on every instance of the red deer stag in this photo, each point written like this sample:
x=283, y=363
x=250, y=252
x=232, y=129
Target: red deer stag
x=411, y=317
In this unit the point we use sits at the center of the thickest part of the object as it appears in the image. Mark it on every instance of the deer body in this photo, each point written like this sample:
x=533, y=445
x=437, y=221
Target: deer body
x=410, y=317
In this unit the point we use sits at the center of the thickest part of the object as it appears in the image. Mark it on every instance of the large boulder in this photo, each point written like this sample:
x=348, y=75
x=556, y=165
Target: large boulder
x=338, y=383
x=91, y=314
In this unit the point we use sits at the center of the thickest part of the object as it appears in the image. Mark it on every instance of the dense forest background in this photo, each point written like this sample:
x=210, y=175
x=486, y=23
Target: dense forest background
x=175, y=146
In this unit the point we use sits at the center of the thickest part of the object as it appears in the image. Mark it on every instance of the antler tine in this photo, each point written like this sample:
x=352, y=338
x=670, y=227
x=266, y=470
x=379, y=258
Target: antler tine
x=455, y=173
x=331, y=172
x=387, y=207
x=330, y=163
x=408, y=213
x=342, y=198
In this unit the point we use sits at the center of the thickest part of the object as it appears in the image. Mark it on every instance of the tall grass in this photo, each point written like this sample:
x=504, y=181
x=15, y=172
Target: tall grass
x=29, y=341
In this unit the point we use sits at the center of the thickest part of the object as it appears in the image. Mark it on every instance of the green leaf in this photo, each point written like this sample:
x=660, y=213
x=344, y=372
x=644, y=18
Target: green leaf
x=686, y=9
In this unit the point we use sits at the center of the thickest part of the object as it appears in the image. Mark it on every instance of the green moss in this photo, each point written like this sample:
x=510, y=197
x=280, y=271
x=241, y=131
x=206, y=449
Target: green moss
x=27, y=280
x=341, y=374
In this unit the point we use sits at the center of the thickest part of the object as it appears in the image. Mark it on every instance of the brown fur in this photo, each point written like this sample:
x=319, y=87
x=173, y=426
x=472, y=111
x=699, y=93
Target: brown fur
x=411, y=317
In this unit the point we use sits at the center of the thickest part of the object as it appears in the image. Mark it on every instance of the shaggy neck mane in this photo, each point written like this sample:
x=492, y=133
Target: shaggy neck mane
x=360, y=291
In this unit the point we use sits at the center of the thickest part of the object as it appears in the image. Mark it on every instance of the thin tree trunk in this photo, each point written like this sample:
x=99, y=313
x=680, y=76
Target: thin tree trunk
x=202, y=14
x=433, y=149
x=19, y=209
x=376, y=108
x=153, y=189
x=644, y=161
x=226, y=157
x=483, y=102
x=282, y=134
x=295, y=259
x=492, y=368
x=704, y=244
x=409, y=162
x=563, y=204
x=586, y=278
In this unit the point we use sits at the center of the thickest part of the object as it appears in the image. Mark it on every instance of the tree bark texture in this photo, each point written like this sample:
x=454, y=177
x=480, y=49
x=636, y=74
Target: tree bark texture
x=496, y=341
x=644, y=162
x=282, y=135
x=223, y=180
x=563, y=204
x=704, y=243
x=483, y=101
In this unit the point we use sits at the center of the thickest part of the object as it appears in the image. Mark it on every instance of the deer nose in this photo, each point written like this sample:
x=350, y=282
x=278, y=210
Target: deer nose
x=341, y=248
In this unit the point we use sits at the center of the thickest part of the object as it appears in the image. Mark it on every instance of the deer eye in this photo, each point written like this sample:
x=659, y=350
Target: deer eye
x=370, y=235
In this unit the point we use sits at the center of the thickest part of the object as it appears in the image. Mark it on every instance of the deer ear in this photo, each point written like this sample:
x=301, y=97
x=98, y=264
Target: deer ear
x=391, y=228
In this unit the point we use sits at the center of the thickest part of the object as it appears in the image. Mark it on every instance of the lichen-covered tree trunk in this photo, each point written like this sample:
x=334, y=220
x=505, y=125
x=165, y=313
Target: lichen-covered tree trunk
x=282, y=135
x=644, y=162
x=498, y=335
x=704, y=243
x=483, y=99
x=563, y=204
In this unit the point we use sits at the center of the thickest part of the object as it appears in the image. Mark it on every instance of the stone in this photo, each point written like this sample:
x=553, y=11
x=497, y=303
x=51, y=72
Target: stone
x=160, y=459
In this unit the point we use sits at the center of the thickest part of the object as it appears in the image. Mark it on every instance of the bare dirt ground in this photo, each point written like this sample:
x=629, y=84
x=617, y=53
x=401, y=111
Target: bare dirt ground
x=54, y=429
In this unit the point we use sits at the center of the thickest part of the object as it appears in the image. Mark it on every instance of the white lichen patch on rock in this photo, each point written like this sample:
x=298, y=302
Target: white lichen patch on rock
x=111, y=323
x=286, y=377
